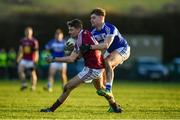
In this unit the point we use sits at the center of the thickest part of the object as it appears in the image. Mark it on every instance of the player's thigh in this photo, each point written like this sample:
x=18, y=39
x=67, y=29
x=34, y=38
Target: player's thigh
x=74, y=82
x=52, y=70
x=63, y=69
x=21, y=68
x=114, y=59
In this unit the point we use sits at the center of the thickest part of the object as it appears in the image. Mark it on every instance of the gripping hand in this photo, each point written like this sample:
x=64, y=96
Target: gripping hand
x=49, y=59
x=85, y=48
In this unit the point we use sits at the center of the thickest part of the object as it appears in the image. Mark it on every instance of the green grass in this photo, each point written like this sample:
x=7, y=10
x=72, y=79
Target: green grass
x=82, y=6
x=139, y=101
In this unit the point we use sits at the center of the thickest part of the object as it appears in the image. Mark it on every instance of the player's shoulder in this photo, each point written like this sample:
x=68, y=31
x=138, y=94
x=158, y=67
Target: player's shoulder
x=35, y=39
x=93, y=30
x=86, y=32
x=107, y=24
x=52, y=40
x=109, y=28
x=23, y=39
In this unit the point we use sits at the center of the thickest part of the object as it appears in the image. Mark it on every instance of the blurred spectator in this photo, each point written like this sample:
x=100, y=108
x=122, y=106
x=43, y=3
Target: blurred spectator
x=3, y=63
x=11, y=64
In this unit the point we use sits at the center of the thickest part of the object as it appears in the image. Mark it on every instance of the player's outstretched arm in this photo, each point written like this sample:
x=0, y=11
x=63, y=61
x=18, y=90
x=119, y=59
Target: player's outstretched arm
x=67, y=59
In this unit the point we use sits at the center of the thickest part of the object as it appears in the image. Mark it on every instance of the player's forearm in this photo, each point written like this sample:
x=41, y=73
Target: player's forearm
x=19, y=56
x=36, y=56
x=100, y=46
x=107, y=42
x=67, y=59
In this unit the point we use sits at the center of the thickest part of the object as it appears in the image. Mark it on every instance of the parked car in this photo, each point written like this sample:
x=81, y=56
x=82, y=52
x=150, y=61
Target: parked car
x=150, y=68
x=175, y=68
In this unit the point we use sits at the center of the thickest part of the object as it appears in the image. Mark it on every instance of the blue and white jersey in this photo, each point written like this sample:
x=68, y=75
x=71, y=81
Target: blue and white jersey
x=56, y=47
x=110, y=30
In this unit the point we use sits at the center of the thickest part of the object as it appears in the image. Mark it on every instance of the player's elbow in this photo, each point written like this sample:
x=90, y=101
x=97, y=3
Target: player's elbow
x=106, y=45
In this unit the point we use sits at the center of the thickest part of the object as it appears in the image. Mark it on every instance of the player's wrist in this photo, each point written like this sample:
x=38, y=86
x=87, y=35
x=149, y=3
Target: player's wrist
x=53, y=59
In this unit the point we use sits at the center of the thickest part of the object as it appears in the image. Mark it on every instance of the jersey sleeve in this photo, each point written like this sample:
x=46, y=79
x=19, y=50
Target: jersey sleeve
x=36, y=45
x=48, y=45
x=21, y=42
x=111, y=31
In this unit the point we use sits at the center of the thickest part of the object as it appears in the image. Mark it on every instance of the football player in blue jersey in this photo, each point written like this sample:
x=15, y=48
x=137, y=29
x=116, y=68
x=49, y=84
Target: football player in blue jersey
x=56, y=47
x=115, y=47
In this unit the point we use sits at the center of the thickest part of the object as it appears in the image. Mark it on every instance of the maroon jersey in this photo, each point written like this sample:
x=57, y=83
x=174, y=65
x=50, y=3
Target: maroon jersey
x=93, y=58
x=29, y=47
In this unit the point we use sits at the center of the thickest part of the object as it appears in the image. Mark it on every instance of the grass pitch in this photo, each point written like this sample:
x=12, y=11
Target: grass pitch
x=139, y=101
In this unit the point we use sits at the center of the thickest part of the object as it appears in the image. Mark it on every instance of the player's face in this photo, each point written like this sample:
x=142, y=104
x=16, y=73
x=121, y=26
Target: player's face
x=95, y=20
x=73, y=32
x=28, y=32
x=58, y=36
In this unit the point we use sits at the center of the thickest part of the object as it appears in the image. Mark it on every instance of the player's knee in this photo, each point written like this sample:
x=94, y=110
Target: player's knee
x=108, y=63
x=67, y=87
x=20, y=72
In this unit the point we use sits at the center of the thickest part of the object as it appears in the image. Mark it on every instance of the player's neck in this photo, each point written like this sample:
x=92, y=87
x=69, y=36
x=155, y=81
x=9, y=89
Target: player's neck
x=29, y=37
x=99, y=27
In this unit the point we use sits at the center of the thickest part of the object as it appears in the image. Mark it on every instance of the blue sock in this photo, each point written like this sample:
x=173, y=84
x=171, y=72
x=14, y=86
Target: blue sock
x=108, y=86
x=49, y=85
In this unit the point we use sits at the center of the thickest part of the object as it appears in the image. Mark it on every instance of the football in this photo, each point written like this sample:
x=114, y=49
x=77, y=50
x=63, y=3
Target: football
x=69, y=46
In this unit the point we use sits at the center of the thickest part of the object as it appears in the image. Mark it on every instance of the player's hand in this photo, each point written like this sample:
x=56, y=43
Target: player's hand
x=69, y=46
x=85, y=48
x=49, y=59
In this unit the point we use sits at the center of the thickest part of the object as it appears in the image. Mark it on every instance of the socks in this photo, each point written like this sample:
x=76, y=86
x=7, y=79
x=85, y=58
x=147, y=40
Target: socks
x=49, y=85
x=23, y=83
x=108, y=86
x=55, y=105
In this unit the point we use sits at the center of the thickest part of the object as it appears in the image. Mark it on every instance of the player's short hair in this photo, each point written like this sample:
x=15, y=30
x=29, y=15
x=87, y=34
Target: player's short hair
x=59, y=31
x=29, y=28
x=99, y=12
x=76, y=23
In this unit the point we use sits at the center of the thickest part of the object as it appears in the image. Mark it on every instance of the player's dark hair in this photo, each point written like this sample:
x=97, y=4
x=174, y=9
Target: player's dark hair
x=99, y=12
x=59, y=30
x=75, y=23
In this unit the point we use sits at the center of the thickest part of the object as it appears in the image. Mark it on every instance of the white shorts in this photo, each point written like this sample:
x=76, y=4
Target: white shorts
x=27, y=63
x=88, y=74
x=58, y=65
x=123, y=51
